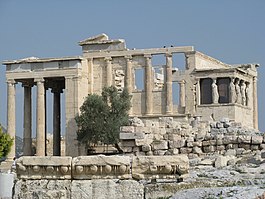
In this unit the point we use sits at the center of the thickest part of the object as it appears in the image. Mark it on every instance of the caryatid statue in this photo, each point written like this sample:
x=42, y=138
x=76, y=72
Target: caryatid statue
x=243, y=92
x=215, y=94
x=238, y=92
x=232, y=91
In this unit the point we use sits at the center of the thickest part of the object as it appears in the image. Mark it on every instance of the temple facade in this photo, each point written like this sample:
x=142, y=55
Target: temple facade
x=205, y=89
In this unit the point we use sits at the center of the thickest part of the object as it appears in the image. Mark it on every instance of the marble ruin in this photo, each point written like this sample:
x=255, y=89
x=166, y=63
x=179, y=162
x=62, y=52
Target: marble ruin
x=209, y=90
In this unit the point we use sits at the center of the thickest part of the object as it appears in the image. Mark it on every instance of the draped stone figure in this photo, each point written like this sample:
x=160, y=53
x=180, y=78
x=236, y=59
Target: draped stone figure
x=247, y=94
x=238, y=92
x=215, y=94
x=232, y=91
x=243, y=92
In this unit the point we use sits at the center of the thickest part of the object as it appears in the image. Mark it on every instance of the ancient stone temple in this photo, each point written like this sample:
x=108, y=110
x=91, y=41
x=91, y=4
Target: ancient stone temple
x=207, y=88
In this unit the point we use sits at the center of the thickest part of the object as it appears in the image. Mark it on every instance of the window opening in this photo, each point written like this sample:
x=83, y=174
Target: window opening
x=206, y=90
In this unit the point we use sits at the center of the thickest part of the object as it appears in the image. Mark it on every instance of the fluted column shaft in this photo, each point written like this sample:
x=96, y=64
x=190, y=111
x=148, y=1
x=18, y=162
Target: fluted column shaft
x=40, y=127
x=109, y=71
x=128, y=77
x=169, y=98
x=56, y=122
x=148, y=85
x=27, y=130
x=11, y=115
x=182, y=94
x=255, y=104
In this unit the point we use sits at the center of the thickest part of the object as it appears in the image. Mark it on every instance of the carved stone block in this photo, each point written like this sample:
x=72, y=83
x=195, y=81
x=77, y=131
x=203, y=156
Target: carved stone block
x=162, y=167
x=48, y=167
x=101, y=167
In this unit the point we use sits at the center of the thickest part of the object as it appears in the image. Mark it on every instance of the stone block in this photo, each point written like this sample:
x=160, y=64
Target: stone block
x=230, y=139
x=244, y=146
x=160, y=144
x=206, y=143
x=190, y=144
x=107, y=189
x=136, y=122
x=256, y=139
x=254, y=147
x=174, y=151
x=42, y=189
x=131, y=136
x=155, y=167
x=231, y=130
x=148, y=139
x=198, y=143
x=246, y=139
x=230, y=152
x=150, y=123
x=220, y=162
x=101, y=167
x=173, y=137
x=212, y=142
x=240, y=151
x=185, y=150
x=177, y=144
x=146, y=148
x=209, y=149
x=220, y=148
x=127, y=143
x=197, y=150
x=44, y=167
x=127, y=129
x=143, y=129
x=159, y=152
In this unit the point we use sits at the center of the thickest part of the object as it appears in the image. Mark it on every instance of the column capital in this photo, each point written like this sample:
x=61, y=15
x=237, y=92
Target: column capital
x=41, y=80
x=182, y=81
x=168, y=54
x=128, y=57
x=108, y=59
x=11, y=81
x=147, y=56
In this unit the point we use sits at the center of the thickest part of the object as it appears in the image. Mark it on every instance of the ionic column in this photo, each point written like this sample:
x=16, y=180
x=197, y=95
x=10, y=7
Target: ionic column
x=109, y=71
x=40, y=126
x=27, y=138
x=128, y=77
x=215, y=94
x=56, y=121
x=182, y=94
x=91, y=76
x=148, y=85
x=11, y=115
x=255, y=104
x=169, y=99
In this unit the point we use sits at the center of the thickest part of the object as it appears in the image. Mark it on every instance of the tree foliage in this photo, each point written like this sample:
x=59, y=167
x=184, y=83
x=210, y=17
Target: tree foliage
x=5, y=143
x=102, y=116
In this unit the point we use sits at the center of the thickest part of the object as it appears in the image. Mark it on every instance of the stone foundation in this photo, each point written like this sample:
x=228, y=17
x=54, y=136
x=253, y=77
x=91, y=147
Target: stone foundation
x=95, y=176
x=165, y=136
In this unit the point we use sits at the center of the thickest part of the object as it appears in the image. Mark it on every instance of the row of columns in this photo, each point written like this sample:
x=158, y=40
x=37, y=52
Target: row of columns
x=149, y=82
x=40, y=118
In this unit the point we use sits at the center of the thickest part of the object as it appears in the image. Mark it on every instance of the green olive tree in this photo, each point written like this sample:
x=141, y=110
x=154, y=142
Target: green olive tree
x=101, y=117
x=5, y=143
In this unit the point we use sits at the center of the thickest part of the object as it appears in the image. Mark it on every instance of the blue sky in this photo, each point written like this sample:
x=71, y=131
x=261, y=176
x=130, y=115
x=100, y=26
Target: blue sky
x=231, y=31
